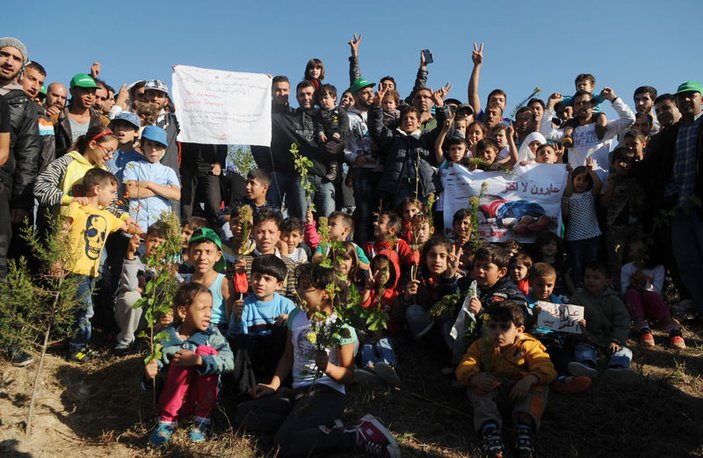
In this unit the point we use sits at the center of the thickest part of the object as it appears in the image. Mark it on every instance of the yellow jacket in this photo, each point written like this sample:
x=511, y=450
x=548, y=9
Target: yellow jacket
x=526, y=356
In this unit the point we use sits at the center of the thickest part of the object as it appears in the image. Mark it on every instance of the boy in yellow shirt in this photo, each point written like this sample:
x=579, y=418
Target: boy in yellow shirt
x=90, y=224
x=507, y=367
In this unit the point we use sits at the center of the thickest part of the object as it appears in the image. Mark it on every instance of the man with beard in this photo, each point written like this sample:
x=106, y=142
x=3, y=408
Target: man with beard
x=644, y=97
x=673, y=174
x=75, y=120
x=20, y=170
x=667, y=112
x=365, y=165
x=56, y=96
x=586, y=141
x=103, y=99
x=525, y=124
x=32, y=80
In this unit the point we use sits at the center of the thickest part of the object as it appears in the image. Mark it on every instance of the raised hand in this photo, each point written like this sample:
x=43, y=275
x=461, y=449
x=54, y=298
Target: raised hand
x=354, y=44
x=95, y=69
x=379, y=95
x=608, y=94
x=477, y=54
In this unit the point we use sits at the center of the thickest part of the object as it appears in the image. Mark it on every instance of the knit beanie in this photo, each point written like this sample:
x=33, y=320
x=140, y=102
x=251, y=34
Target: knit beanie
x=15, y=43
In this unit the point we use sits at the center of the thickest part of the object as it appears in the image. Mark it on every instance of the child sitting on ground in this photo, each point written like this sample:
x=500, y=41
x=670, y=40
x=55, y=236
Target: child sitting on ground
x=507, y=366
x=341, y=227
x=193, y=356
x=549, y=248
x=304, y=421
x=560, y=345
x=436, y=278
x=291, y=245
x=257, y=325
x=377, y=352
x=641, y=286
x=385, y=231
x=520, y=265
x=408, y=208
x=490, y=271
x=607, y=328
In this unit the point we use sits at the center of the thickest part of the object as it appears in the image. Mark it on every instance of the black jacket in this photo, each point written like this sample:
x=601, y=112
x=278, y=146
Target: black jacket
x=62, y=129
x=20, y=171
x=657, y=169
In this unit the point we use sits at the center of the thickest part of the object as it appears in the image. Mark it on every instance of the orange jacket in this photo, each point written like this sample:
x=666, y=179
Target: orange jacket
x=526, y=356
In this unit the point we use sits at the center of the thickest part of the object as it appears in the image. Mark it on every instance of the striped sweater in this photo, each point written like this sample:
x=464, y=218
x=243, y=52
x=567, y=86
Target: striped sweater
x=62, y=180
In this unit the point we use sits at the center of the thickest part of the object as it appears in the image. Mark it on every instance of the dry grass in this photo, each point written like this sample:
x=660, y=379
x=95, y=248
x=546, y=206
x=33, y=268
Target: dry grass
x=99, y=410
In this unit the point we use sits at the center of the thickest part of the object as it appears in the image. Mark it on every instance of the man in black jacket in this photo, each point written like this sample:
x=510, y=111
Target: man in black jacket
x=673, y=174
x=20, y=171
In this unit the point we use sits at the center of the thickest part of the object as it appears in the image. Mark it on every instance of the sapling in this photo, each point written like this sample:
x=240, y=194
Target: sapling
x=36, y=307
x=157, y=300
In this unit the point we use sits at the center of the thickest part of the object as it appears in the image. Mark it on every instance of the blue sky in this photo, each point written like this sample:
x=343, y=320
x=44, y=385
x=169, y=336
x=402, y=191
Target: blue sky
x=542, y=43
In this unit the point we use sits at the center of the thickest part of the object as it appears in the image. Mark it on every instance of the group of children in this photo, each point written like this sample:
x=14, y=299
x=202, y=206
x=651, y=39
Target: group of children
x=253, y=285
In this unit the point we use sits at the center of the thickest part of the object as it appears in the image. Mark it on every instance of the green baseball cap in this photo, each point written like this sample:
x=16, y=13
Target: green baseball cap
x=204, y=234
x=83, y=80
x=690, y=86
x=359, y=84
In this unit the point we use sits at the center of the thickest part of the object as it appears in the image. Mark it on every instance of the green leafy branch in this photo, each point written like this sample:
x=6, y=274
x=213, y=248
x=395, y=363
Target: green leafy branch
x=302, y=165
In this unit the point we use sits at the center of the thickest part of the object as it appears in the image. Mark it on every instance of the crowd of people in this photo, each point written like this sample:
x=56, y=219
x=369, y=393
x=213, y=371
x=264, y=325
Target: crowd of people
x=108, y=161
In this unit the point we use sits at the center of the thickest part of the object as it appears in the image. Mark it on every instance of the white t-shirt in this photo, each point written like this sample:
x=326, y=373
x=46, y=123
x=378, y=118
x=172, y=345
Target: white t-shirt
x=304, y=368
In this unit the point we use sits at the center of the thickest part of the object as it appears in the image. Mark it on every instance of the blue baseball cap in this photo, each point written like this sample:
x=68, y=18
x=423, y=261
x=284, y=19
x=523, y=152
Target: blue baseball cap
x=155, y=134
x=129, y=117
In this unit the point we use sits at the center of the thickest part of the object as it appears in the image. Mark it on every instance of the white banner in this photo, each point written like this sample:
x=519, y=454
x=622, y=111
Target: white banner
x=219, y=107
x=514, y=205
x=560, y=317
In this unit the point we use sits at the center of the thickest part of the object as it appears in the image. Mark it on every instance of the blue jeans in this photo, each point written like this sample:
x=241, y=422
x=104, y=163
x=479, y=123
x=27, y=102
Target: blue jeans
x=380, y=351
x=687, y=245
x=579, y=253
x=285, y=185
x=587, y=353
x=365, y=182
x=323, y=197
x=84, y=312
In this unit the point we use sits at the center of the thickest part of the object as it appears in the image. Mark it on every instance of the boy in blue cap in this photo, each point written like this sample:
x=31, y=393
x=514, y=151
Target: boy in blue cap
x=151, y=186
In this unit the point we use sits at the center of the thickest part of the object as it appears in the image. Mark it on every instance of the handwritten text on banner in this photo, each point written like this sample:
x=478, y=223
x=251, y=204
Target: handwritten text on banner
x=220, y=107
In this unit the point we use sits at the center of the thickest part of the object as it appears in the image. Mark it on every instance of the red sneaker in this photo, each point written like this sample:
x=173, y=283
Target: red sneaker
x=677, y=342
x=572, y=385
x=375, y=439
x=646, y=338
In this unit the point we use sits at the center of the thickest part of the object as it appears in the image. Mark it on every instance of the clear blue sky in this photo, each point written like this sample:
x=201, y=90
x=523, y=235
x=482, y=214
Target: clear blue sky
x=625, y=43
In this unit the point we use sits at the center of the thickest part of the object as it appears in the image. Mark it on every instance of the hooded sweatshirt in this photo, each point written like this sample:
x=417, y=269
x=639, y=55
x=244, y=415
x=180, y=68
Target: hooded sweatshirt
x=390, y=291
x=607, y=319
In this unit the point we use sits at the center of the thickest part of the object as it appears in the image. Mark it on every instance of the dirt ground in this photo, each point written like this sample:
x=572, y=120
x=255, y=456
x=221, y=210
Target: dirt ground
x=98, y=409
